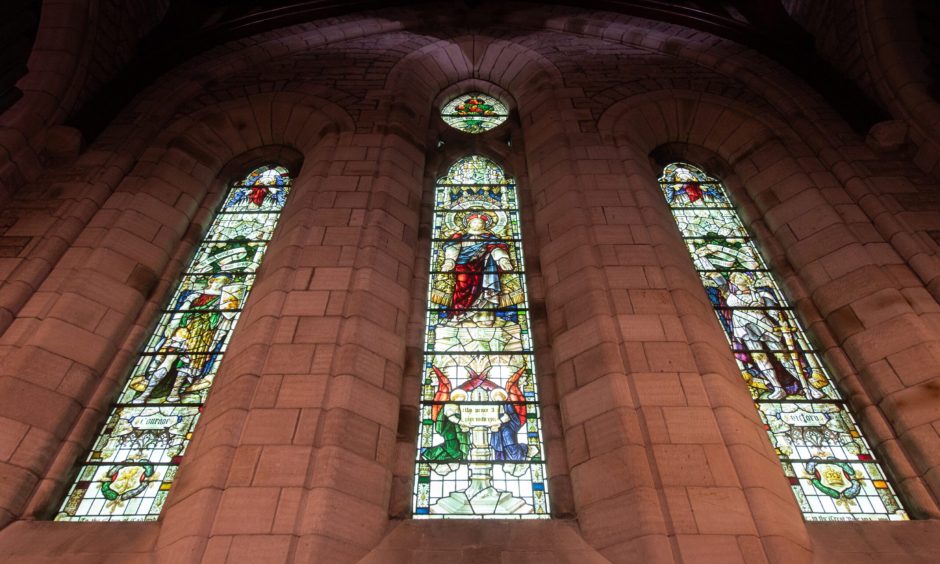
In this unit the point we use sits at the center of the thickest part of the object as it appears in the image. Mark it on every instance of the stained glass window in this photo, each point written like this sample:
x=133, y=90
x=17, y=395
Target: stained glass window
x=832, y=471
x=129, y=471
x=474, y=113
x=480, y=451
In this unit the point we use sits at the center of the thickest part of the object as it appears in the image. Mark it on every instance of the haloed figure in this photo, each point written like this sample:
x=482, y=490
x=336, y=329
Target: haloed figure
x=477, y=257
x=200, y=327
x=761, y=335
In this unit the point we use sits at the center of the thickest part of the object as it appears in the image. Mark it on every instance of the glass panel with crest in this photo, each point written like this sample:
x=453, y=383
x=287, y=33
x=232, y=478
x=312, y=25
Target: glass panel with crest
x=480, y=449
x=131, y=467
x=832, y=471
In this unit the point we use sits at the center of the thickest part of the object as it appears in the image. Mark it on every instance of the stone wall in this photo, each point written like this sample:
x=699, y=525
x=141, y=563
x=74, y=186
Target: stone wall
x=306, y=447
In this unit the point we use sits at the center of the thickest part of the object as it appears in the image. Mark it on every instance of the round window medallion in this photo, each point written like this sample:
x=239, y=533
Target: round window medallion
x=474, y=113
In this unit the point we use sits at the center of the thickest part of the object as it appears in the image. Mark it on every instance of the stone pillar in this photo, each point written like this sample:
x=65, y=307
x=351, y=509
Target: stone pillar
x=292, y=458
x=69, y=334
x=582, y=212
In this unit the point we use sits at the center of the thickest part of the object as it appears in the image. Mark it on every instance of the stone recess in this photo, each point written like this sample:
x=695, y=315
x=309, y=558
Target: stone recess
x=306, y=446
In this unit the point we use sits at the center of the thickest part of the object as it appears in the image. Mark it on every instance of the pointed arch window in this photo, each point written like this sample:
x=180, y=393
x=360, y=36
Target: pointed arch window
x=832, y=471
x=480, y=450
x=131, y=467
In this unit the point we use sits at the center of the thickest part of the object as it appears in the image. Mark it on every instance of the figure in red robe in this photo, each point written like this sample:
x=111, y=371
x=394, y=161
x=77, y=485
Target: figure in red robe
x=476, y=257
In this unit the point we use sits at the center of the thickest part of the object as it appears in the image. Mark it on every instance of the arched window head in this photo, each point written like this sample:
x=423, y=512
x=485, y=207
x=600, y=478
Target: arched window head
x=131, y=467
x=474, y=113
x=480, y=451
x=832, y=471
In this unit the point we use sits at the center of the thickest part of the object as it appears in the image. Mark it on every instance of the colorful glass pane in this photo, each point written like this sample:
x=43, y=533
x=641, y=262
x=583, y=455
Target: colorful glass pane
x=832, y=471
x=480, y=450
x=130, y=469
x=474, y=113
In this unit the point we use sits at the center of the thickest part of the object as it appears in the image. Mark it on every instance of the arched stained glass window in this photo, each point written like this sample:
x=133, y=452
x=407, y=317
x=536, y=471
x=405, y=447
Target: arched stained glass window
x=474, y=113
x=129, y=471
x=480, y=451
x=831, y=469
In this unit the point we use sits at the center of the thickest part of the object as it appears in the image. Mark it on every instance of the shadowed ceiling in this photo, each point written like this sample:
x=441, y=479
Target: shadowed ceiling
x=189, y=28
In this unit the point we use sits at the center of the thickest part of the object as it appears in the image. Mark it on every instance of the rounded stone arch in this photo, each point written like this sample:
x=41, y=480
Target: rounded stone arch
x=159, y=105
x=149, y=227
x=439, y=68
x=762, y=161
x=821, y=133
x=217, y=133
x=757, y=151
x=162, y=108
x=504, y=62
x=723, y=125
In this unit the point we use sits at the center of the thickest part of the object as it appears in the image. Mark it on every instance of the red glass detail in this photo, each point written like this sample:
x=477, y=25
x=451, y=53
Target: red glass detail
x=693, y=190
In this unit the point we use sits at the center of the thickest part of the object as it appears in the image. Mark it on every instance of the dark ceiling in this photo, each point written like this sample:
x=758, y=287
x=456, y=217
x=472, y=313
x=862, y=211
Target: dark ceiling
x=191, y=27
x=18, y=24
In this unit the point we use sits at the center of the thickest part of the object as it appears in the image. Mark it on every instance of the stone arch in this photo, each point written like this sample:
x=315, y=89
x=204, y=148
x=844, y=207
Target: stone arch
x=819, y=129
x=429, y=75
x=806, y=240
x=281, y=119
x=152, y=221
x=438, y=66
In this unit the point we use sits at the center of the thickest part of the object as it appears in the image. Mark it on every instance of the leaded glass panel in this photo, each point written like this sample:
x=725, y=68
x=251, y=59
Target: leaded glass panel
x=474, y=113
x=130, y=469
x=832, y=471
x=480, y=450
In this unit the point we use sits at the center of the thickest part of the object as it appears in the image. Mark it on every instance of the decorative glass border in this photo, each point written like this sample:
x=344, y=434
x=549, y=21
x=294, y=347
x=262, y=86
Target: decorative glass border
x=131, y=467
x=480, y=448
x=474, y=112
x=832, y=471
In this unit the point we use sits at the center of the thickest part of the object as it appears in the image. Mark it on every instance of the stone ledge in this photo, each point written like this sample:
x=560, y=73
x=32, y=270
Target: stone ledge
x=45, y=541
x=876, y=542
x=548, y=541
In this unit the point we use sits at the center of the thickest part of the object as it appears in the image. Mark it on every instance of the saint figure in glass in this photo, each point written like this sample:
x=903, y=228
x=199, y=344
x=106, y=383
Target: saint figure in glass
x=129, y=471
x=832, y=471
x=480, y=451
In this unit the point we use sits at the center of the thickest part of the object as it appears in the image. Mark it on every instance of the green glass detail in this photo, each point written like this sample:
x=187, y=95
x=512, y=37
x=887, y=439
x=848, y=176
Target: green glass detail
x=832, y=471
x=129, y=471
x=480, y=450
x=474, y=112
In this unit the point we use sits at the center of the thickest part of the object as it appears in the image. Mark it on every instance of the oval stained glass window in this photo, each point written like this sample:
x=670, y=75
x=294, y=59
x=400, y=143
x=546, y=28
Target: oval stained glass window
x=474, y=113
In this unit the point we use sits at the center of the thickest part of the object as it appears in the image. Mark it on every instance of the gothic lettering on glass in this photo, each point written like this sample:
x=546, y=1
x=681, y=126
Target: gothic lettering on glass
x=127, y=474
x=474, y=113
x=480, y=451
x=832, y=471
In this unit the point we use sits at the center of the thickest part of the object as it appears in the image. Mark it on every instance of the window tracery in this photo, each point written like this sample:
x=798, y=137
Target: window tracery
x=474, y=113
x=129, y=471
x=831, y=468
x=480, y=450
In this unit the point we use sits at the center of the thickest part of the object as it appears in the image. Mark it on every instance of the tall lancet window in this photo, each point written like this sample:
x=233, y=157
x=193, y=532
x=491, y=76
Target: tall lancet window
x=129, y=471
x=480, y=451
x=832, y=471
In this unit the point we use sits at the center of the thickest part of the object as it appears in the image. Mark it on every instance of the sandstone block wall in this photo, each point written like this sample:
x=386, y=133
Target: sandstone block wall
x=306, y=447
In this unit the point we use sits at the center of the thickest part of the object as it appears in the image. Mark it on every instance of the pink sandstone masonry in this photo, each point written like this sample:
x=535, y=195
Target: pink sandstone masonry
x=305, y=450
